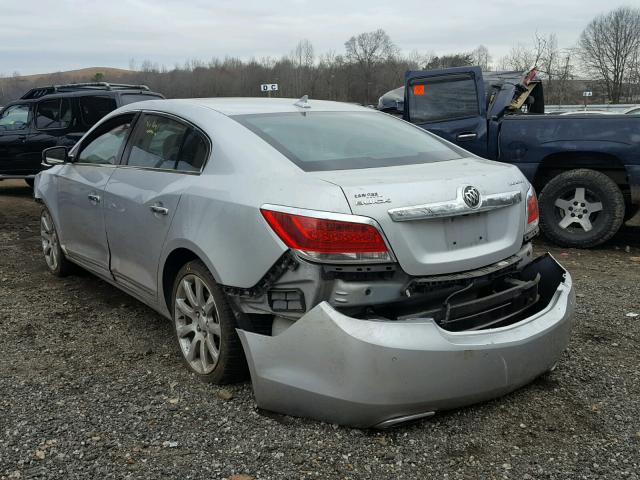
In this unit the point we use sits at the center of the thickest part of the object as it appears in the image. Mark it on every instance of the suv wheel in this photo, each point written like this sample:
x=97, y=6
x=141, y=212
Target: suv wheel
x=581, y=208
x=53, y=254
x=205, y=327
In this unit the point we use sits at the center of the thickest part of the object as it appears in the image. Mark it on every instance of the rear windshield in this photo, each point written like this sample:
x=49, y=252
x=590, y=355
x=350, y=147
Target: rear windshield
x=319, y=141
x=127, y=98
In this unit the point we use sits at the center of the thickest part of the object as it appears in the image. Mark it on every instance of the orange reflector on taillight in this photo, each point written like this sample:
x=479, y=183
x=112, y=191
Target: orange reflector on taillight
x=418, y=89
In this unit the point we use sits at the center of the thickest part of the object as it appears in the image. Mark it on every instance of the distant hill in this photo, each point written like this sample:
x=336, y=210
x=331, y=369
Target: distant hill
x=73, y=75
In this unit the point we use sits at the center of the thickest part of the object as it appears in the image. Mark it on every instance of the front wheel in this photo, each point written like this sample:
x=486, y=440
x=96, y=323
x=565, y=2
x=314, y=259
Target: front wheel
x=581, y=208
x=53, y=254
x=205, y=327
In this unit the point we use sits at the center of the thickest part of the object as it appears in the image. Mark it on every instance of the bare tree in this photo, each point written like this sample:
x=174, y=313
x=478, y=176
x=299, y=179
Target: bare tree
x=481, y=57
x=366, y=51
x=303, y=58
x=608, y=46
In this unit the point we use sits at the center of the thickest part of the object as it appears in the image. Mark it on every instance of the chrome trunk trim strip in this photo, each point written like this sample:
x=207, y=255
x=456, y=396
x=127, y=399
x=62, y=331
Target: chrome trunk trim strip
x=453, y=208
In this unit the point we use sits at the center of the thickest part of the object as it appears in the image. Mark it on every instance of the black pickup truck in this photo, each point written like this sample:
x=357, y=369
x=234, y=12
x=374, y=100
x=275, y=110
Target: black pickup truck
x=586, y=168
x=56, y=115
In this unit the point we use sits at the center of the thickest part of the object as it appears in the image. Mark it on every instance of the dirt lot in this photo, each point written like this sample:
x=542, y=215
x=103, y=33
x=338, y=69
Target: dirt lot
x=91, y=386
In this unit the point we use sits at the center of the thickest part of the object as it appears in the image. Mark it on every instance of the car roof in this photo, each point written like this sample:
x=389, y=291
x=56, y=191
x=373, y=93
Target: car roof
x=245, y=106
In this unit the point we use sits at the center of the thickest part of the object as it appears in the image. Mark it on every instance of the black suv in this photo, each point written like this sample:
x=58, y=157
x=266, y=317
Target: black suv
x=56, y=115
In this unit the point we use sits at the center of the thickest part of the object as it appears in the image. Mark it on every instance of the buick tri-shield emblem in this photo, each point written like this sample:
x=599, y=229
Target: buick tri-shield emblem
x=471, y=196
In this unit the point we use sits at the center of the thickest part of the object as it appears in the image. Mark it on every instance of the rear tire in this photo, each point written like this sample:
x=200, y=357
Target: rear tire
x=581, y=208
x=205, y=327
x=53, y=254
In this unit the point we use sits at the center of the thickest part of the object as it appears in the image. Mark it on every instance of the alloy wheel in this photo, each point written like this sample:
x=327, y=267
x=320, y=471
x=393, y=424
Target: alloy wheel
x=49, y=238
x=578, y=208
x=197, y=324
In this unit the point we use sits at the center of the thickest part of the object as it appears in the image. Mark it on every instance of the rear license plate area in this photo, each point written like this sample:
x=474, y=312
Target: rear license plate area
x=465, y=231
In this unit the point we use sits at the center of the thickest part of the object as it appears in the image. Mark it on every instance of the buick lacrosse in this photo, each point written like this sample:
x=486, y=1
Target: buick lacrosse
x=362, y=270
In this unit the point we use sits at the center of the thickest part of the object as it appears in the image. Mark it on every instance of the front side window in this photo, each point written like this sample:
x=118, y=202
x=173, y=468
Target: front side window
x=318, y=141
x=92, y=109
x=105, y=146
x=53, y=114
x=166, y=144
x=438, y=99
x=15, y=117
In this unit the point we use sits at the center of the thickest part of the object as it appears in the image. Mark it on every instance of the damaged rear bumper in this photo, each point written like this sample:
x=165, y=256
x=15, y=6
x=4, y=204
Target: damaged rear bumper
x=368, y=373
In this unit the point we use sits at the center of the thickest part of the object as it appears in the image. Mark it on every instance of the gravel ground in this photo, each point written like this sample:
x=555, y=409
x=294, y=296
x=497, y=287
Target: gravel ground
x=92, y=387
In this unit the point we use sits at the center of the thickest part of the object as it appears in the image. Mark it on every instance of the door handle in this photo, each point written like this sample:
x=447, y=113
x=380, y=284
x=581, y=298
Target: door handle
x=466, y=136
x=94, y=198
x=159, y=209
x=22, y=138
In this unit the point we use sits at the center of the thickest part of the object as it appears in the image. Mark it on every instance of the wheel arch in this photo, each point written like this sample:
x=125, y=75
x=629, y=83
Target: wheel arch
x=173, y=262
x=559, y=162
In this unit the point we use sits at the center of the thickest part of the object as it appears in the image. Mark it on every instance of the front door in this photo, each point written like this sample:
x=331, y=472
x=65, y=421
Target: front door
x=143, y=194
x=81, y=187
x=451, y=104
x=14, y=132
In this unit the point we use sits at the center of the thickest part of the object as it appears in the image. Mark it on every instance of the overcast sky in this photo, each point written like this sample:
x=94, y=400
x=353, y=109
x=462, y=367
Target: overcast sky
x=39, y=36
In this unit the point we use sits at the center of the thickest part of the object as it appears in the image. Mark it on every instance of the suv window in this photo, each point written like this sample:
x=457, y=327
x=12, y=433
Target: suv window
x=15, y=117
x=443, y=98
x=106, y=143
x=93, y=109
x=167, y=144
x=54, y=113
x=127, y=98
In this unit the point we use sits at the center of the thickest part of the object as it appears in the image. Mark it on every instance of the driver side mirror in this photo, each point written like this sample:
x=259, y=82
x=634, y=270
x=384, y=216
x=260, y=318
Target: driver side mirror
x=55, y=156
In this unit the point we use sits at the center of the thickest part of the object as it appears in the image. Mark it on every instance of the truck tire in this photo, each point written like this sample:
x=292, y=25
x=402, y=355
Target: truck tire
x=581, y=208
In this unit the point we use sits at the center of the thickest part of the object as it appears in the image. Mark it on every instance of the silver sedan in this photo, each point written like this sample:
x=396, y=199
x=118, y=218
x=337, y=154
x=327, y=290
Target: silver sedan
x=362, y=270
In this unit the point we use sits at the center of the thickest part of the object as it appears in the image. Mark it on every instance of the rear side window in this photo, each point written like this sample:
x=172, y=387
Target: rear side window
x=167, y=144
x=437, y=99
x=15, y=117
x=53, y=114
x=92, y=109
x=317, y=141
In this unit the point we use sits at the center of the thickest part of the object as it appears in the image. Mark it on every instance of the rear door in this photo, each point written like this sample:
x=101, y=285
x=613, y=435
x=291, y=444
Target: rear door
x=81, y=193
x=14, y=131
x=143, y=194
x=450, y=103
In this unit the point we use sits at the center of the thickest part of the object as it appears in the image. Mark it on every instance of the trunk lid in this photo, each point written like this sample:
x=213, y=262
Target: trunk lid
x=443, y=235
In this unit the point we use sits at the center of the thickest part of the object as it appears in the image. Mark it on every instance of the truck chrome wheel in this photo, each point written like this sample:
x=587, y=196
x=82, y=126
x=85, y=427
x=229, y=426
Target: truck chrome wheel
x=577, y=209
x=197, y=324
x=49, y=238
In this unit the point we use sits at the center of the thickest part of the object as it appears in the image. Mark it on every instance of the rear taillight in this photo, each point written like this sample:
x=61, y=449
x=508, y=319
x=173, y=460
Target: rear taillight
x=328, y=239
x=533, y=215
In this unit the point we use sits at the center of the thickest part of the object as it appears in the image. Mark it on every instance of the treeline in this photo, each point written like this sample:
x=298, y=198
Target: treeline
x=607, y=54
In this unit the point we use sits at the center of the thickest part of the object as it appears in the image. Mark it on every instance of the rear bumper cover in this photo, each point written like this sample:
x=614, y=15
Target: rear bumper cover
x=368, y=373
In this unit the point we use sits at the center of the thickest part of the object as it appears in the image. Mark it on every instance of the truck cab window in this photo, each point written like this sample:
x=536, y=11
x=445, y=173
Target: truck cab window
x=438, y=99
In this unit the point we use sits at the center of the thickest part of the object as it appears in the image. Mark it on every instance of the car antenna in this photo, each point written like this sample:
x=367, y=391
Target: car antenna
x=303, y=102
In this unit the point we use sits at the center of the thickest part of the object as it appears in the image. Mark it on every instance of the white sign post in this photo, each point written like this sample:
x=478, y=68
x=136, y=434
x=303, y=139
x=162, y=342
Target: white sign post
x=586, y=94
x=268, y=88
